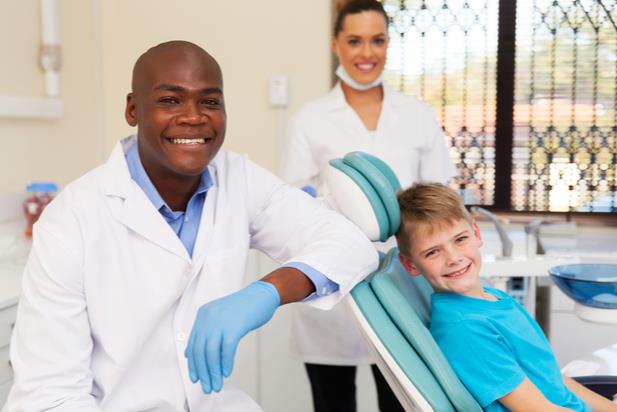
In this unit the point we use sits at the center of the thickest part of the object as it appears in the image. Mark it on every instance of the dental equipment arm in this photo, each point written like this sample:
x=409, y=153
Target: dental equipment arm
x=506, y=243
x=533, y=229
x=596, y=403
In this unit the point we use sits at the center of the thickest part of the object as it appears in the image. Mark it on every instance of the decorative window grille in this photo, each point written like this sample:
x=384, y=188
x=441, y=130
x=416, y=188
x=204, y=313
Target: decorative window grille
x=565, y=147
x=557, y=144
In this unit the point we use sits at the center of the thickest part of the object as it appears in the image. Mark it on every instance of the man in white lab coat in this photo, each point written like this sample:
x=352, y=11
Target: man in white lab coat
x=133, y=291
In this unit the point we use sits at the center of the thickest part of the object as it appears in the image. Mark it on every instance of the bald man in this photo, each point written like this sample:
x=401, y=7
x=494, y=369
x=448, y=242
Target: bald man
x=133, y=296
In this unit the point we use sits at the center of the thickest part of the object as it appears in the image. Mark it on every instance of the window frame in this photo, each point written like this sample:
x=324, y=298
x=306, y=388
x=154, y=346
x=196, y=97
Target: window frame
x=505, y=73
x=504, y=129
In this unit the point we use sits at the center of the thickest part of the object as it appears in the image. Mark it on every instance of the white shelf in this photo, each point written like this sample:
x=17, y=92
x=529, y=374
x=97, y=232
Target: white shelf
x=22, y=107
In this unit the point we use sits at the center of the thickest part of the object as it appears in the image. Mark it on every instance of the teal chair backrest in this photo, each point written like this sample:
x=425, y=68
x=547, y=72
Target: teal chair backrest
x=395, y=342
x=406, y=300
x=397, y=305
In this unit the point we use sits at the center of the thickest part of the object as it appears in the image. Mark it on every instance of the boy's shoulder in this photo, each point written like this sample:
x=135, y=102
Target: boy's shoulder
x=447, y=317
x=453, y=310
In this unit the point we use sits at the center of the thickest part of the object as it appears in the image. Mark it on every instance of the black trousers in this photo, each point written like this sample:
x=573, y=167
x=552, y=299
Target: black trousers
x=334, y=389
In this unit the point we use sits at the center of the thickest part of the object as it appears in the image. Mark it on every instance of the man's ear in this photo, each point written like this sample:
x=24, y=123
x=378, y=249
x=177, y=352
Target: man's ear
x=129, y=110
x=476, y=232
x=408, y=265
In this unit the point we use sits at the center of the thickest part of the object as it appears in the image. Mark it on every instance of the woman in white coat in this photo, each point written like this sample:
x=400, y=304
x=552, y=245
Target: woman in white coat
x=360, y=113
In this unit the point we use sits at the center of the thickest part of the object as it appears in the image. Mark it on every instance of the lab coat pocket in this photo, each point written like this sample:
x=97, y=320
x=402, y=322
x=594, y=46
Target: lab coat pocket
x=223, y=271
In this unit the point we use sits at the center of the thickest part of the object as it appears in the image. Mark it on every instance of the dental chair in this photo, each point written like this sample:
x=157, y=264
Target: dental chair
x=391, y=307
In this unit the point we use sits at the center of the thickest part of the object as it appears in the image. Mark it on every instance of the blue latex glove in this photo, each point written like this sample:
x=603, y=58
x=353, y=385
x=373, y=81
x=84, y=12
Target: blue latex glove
x=220, y=325
x=310, y=190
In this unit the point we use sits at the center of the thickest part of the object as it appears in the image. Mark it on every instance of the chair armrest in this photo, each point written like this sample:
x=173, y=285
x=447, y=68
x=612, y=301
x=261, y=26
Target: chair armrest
x=604, y=385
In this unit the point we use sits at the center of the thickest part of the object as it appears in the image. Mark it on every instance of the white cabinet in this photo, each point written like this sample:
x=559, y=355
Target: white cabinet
x=6, y=372
x=14, y=248
x=571, y=337
x=4, y=392
x=7, y=320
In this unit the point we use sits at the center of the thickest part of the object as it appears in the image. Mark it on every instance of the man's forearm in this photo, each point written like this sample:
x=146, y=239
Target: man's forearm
x=291, y=284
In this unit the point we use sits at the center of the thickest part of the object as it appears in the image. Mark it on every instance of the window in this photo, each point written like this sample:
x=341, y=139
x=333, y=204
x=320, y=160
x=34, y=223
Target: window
x=526, y=92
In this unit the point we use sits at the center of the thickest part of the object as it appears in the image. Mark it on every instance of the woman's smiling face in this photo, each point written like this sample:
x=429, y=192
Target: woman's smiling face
x=361, y=46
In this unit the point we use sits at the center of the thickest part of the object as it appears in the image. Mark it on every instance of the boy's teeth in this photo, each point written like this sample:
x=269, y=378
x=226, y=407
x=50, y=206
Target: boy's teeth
x=188, y=141
x=458, y=272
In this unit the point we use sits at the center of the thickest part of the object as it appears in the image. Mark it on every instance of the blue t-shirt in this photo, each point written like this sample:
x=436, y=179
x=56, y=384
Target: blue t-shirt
x=493, y=346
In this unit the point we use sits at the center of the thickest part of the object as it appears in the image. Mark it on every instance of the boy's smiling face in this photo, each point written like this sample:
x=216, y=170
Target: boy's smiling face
x=448, y=256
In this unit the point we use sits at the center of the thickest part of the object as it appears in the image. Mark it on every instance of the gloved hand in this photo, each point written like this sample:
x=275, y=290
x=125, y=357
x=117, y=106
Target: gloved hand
x=310, y=190
x=220, y=325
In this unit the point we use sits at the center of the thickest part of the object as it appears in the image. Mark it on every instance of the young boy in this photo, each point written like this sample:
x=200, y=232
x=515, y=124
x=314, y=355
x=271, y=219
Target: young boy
x=497, y=350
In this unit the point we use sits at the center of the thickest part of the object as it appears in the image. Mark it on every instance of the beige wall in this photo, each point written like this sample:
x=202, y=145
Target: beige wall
x=57, y=150
x=251, y=41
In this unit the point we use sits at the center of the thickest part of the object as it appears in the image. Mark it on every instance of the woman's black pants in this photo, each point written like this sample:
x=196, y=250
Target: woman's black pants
x=334, y=389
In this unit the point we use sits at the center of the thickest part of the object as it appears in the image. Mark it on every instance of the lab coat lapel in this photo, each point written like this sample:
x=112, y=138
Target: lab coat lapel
x=138, y=214
x=389, y=115
x=131, y=206
x=204, y=243
x=340, y=113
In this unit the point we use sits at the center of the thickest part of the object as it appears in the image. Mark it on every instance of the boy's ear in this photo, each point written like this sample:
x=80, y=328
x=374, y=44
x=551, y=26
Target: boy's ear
x=408, y=265
x=476, y=231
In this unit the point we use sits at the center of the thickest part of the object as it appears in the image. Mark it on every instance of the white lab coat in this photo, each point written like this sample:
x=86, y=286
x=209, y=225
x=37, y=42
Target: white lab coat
x=408, y=138
x=110, y=293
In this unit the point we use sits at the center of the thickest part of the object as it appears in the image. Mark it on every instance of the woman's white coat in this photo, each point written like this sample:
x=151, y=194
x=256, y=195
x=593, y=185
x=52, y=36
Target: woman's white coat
x=408, y=138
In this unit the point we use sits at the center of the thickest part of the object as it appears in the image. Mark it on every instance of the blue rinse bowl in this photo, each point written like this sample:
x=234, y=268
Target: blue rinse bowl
x=589, y=284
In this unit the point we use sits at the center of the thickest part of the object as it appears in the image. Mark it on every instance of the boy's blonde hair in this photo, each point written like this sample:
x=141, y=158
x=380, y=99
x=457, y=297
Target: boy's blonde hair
x=430, y=205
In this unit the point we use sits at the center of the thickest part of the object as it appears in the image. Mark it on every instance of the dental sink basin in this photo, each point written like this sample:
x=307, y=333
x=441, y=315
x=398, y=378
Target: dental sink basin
x=593, y=286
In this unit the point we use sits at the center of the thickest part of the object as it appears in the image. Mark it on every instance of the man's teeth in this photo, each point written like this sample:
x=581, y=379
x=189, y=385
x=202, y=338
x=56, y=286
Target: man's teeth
x=188, y=141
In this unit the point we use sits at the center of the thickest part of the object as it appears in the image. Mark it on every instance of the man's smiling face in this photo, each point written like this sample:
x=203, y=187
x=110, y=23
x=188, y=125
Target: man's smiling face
x=177, y=104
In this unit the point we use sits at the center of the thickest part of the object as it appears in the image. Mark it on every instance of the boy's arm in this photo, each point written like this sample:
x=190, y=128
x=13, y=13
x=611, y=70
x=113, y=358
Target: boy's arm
x=595, y=402
x=527, y=397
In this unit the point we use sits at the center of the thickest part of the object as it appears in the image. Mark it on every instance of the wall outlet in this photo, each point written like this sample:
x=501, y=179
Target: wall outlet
x=278, y=90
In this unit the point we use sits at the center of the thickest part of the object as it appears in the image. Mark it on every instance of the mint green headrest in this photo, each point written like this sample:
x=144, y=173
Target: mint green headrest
x=371, y=194
x=378, y=183
x=383, y=180
x=383, y=168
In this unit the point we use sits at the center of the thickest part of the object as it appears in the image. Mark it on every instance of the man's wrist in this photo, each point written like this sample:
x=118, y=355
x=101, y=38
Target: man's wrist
x=291, y=284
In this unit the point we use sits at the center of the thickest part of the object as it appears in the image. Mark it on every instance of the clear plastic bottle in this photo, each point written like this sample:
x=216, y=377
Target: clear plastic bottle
x=39, y=195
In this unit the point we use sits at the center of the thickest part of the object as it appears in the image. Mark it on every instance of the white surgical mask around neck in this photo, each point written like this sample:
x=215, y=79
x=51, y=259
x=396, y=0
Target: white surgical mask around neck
x=345, y=77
